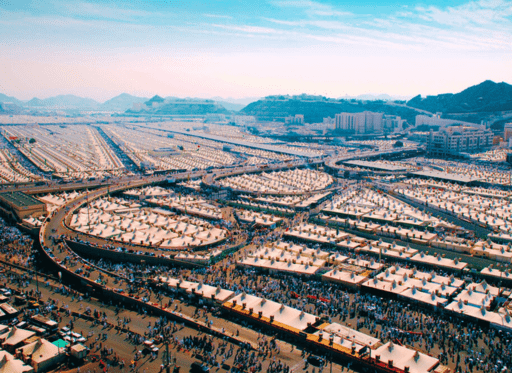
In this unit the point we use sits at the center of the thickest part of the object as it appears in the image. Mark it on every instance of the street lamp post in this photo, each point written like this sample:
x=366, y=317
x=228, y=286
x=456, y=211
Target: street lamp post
x=88, y=218
x=35, y=270
x=37, y=281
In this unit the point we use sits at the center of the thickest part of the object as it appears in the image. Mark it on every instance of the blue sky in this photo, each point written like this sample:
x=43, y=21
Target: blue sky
x=251, y=48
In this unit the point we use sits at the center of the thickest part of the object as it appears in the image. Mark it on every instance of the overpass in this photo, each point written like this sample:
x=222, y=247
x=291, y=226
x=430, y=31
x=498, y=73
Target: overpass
x=248, y=144
x=333, y=163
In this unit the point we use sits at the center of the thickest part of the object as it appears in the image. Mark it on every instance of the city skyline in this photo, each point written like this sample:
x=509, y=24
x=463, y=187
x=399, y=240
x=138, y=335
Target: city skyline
x=101, y=49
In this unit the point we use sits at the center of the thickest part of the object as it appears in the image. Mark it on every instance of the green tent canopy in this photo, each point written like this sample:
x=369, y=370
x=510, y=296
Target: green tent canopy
x=60, y=343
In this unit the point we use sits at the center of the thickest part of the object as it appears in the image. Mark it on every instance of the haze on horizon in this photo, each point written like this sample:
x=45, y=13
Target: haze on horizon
x=99, y=48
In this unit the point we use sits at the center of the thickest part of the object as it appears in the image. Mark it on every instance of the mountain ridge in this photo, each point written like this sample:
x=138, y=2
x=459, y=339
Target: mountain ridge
x=5, y=99
x=122, y=102
x=315, y=108
x=64, y=102
x=487, y=96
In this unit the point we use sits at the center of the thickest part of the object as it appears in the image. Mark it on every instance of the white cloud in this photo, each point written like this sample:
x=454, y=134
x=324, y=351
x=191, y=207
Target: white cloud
x=217, y=16
x=483, y=12
x=312, y=7
x=248, y=29
x=283, y=22
x=321, y=24
x=483, y=25
x=87, y=9
x=329, y=25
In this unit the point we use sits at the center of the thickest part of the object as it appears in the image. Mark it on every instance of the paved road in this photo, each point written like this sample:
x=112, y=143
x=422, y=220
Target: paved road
x=475, y=262
x=479, y=231
x=127, y=162
x=139, y=324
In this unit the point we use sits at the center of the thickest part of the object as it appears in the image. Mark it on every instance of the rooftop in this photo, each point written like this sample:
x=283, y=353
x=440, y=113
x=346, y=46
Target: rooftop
x=376, y=165
x=20, y=199
x=446, y=176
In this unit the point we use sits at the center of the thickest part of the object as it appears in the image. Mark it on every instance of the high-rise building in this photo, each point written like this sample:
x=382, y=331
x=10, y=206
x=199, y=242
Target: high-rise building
x=365, y=122
x=458, y=139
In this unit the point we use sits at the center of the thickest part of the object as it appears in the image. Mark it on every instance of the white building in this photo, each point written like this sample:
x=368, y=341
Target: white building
x=365, y=122
x=458, y=139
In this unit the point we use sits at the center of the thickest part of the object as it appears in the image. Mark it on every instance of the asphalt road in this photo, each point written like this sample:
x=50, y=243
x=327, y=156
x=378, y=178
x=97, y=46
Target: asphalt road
x=125, y=350
x=480, y=231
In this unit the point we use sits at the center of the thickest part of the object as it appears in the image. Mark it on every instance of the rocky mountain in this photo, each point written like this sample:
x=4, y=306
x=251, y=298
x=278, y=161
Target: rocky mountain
x=315, y=109
x=64, y=102
x=10, y=108
x=231, y=106
x=154, y=100
x=181, y=106
x=240, y=101
x=375, y=97
x=122, y=102
x=191, y=107
x=484, y=97
x=14, y=100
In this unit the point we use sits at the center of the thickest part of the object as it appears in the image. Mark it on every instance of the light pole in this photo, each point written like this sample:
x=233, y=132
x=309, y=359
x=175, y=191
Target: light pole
x=88, y=217
x=35, y=270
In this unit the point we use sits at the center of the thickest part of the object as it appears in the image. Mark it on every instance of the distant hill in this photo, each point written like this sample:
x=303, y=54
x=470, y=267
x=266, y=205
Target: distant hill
x=122, y=102
x=10, y=108
x=231, y=106
x=35, y=102
x=240, y=101
x=181, y=106
x=484, y=97
x=155, y=99
x=376, y=97
x=191, y=107
x=64, y=102
x=315, y=110
x=14, y=100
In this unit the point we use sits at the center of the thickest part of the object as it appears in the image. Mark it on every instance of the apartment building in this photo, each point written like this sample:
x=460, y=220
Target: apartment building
x=365, y=122
x=458, y=139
